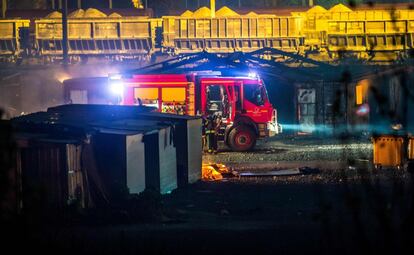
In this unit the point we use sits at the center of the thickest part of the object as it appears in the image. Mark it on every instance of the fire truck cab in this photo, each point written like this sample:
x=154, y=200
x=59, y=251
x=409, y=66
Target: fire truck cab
x=241, y=102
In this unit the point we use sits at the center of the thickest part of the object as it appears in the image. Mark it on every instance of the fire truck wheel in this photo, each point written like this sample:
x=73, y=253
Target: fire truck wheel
x=242, y=138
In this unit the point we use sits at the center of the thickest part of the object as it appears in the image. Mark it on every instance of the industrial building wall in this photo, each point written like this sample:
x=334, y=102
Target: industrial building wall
x=390, y=97
x=321, y=107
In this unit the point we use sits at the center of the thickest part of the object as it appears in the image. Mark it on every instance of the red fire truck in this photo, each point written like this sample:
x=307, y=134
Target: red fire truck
x=241, y=102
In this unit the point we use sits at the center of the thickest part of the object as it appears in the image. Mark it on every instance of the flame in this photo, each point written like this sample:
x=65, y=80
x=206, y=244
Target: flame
x=213, y=172
x=62, y=77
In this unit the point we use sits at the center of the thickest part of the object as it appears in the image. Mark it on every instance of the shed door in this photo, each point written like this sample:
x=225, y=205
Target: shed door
x=306, y=110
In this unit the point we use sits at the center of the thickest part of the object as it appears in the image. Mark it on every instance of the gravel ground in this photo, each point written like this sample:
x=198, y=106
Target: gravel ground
x=283, y=152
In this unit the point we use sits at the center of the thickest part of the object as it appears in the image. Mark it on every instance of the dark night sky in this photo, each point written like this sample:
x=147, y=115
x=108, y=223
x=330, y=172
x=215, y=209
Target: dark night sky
x=34, y=4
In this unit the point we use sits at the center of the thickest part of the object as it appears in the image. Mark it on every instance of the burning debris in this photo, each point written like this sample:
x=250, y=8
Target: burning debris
x=216, y=172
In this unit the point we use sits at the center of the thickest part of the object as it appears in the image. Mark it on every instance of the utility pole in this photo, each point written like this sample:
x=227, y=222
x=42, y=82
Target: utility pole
x=213, y=8
x=3, y=8
x=110, y=4
x=60, y=4
x=79, y=4
x=65, y=32
x=53, y=4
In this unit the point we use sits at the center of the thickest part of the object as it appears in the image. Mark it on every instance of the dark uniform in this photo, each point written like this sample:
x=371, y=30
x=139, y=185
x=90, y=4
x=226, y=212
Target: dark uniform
x=211, y=134
x=204, y=137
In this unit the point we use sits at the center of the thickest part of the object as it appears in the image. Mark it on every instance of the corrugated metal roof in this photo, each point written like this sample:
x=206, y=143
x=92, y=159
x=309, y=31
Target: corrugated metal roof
x=83, y=119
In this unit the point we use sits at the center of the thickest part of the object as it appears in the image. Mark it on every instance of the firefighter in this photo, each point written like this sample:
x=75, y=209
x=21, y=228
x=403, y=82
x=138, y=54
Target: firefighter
x=217, y=126
x=211, y=134
x=204, y=137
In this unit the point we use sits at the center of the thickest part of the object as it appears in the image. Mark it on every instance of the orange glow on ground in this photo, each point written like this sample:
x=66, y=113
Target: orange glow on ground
x=213, y=172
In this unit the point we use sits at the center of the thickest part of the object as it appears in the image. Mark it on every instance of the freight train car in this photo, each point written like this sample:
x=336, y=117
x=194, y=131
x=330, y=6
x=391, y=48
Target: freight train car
x=10, y=47
x=92, y=33
x=366, y=33
x=228, y=31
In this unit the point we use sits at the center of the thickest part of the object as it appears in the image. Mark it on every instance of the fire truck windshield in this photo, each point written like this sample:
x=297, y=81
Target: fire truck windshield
x=255, y=94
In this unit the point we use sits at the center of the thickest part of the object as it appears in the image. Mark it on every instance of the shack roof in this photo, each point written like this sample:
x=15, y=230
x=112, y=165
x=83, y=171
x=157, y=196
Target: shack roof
x=74, y=121
x=115, y=112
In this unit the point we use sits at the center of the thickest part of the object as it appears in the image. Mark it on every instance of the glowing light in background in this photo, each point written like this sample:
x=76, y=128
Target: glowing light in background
x=115, y=76
x=363, y=110
x=397, y=126
x=253, y=75
x=62, y=76
x=117, y=88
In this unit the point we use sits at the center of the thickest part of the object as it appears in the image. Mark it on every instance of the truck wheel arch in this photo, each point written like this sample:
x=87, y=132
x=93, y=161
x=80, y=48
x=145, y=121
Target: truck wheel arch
x=241, y=121
x=246, y=121
x=241, y=138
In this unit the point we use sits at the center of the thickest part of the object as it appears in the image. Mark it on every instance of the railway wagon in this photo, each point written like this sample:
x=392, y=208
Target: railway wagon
x=372, y=31
x=113, y=35
x=228, y=32
x=368, y=31
x=10, y=38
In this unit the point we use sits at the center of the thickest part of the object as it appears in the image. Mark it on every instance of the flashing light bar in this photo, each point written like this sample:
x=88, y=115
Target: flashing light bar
x=115, y=76
x=253, y=75
x=207, y=72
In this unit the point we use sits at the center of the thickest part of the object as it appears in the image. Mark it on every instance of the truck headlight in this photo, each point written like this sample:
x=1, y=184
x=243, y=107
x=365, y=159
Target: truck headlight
x=117, y=88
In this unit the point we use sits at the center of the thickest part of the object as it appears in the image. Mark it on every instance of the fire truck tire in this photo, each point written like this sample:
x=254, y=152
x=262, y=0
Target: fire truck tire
x=242, y=138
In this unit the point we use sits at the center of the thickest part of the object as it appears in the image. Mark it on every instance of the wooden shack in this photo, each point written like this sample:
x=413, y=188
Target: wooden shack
x=51, y=174
x=187, y=132
x=119, y=156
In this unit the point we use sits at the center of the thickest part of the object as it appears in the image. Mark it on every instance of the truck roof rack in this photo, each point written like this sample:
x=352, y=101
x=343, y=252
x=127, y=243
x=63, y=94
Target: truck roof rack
x=206, y=73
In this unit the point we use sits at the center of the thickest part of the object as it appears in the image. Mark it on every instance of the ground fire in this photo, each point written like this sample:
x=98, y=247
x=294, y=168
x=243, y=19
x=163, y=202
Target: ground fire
x=214, y=172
